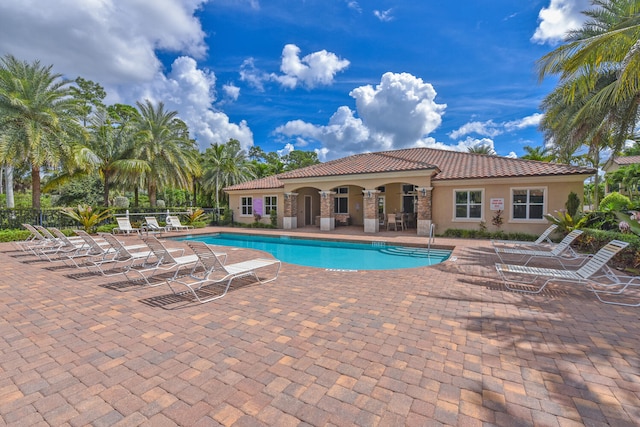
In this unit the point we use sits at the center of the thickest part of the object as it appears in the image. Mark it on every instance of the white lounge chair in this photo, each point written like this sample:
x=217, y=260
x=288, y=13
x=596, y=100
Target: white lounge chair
x=120, y=256
x=541, y=240
x=124, y=226
x=617, y=288
x=41, y=239
x=89, y=250
x=215, y=272
x=173, y=223
x=151, y=226
x=528, y=276
x=60, y=246
x=34, y=239
x=560, y=252
x=163, y=261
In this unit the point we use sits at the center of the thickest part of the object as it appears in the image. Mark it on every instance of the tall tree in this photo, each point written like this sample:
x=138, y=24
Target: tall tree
x=38, y=116
x=539, y=153
x=298, y=159
x=90, y=96
x=595, y=103
x=482, y=149
x=225, y=165
x=162, y=142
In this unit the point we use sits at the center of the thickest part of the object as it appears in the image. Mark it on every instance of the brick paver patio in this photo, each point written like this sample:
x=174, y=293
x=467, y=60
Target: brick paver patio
x=440, y=345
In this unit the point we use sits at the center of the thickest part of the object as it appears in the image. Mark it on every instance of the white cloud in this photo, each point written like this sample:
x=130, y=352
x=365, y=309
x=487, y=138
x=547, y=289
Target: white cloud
x=488, y=128
x=383, y=15
x=99, y=40
x=286, y=149
x=316, y=69
x=529, y=121
x=231, y=91
x=191, y=91
x=560, y=17
x=115, y=46
x=492, y=129
x=252, y=75
x=398, y=113
x=354, y=5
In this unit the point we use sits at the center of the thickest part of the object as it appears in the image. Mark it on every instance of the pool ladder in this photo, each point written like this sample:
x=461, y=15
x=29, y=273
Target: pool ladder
x=431, y=236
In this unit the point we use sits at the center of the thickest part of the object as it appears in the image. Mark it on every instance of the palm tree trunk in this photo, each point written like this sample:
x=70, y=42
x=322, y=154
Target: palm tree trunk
x=35, y=187
x=8, y=171
x=105, y=199
x=136, y=198
x=152, y=194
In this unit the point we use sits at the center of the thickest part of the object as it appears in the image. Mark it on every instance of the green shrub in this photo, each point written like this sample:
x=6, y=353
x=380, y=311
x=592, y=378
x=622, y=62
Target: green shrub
x=87, y=216
x=592, y=240
x=615, y=202
x=13, y=235
x=572, y=204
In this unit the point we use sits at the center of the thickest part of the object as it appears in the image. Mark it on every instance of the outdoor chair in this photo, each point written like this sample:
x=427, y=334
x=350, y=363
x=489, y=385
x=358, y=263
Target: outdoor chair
x=210, y=270
x=173, y=223
x=163, y=261
x=391, y=222
x=60, y=247
x=560, y=252
x=151, y=226
x=400, y=222
x=34, y=239
x=121, y=256
x=124, y=226
x=617, y=288
x=526, y=275
x=541, y=240
x=98, y=248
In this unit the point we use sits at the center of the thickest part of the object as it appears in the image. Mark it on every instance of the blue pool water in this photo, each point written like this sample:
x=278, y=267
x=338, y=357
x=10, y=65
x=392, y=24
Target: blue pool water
x=331, y=254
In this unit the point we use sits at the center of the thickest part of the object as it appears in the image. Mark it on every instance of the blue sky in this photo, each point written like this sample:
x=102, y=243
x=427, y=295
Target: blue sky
x=335, y=76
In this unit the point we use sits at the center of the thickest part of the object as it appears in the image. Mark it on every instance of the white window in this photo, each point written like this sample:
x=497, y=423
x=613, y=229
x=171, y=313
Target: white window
x=528, y=203
x=270, y=204
x=468, y=204
x=246, y=206
x=341, y=202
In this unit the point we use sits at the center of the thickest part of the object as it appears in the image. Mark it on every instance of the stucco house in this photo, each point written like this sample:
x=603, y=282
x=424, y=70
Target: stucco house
x=616, y=162
x=428, y=186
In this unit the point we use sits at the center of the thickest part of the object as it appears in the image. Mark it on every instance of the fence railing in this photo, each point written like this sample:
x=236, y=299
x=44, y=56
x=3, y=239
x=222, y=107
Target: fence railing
x=14, y=218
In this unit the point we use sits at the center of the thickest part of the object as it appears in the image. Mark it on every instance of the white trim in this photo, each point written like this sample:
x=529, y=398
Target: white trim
x=242, y=206
x=482, y=205
x=545, y=197
x=264, y=203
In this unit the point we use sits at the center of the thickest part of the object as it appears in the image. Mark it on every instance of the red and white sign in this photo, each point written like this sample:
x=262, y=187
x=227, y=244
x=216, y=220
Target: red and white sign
x=497, y=204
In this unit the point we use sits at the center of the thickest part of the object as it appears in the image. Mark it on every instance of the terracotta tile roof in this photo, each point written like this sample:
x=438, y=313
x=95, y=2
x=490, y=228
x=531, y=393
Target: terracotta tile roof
x=386, y=161
x=448, y=165
x=258, y=184
x=626, y=160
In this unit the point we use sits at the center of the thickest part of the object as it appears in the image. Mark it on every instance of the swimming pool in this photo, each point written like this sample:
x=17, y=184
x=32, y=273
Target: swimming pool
x=330, y=254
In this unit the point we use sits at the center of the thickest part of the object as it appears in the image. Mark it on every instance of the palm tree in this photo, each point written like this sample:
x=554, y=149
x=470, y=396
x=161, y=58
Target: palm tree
x=599, y=66
x=485, y=149
x=38, y=116
x=162, y=142
x=539, y=153
x=224, y=165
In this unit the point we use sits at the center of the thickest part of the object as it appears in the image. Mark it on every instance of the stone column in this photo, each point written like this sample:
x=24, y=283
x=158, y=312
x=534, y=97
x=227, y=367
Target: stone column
x=370, y=201
x=327, y=220
x=290, y=216
x=424, y=210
